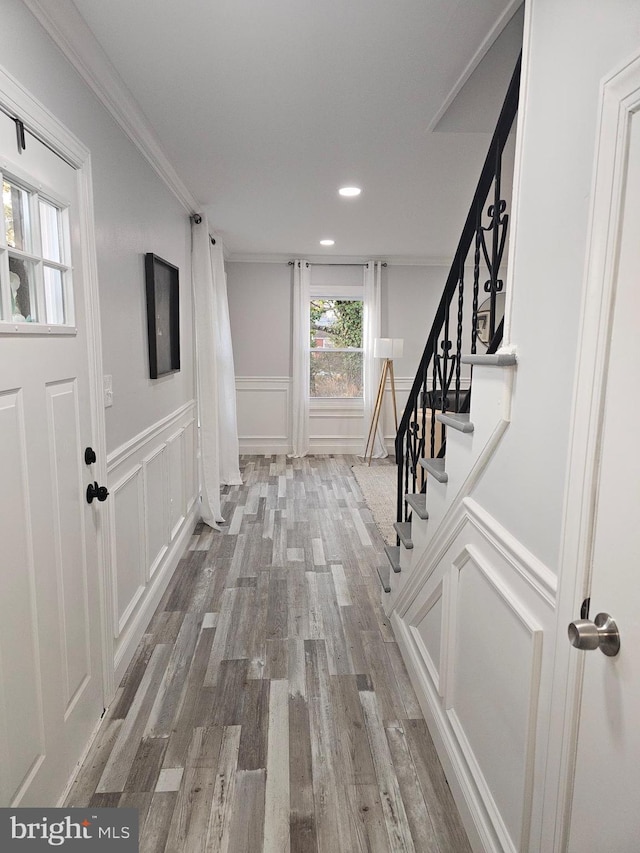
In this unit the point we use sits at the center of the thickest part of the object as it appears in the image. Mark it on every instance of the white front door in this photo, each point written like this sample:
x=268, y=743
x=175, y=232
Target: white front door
x=51, y=685
x=605, y=814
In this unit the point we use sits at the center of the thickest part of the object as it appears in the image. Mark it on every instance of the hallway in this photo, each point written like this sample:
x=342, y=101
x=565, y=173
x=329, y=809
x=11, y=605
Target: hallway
x=267, y=706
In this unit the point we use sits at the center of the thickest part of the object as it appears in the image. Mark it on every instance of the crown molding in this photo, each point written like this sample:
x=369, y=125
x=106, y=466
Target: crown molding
x=390, y=260
x=68, y=29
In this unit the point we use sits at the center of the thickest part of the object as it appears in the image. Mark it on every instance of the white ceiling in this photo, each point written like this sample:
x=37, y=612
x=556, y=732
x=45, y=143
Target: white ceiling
x=266, y=107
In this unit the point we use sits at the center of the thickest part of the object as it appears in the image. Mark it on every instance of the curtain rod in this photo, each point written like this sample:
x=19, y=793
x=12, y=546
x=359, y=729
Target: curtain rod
x=198, y=219
x=335, y=264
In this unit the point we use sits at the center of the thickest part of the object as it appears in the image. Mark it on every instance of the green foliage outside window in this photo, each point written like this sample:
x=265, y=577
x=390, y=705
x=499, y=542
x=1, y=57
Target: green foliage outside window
x=336, y=324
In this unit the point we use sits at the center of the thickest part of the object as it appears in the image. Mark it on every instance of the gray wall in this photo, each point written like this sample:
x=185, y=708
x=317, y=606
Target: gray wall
x=260, y=306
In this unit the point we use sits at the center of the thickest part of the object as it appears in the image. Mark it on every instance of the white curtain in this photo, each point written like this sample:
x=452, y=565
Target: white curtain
x=301, y=341
x=219, y=463
x=372, y=366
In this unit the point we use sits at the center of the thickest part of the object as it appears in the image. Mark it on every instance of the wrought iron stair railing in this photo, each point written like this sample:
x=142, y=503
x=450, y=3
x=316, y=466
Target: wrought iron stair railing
x=439, y=385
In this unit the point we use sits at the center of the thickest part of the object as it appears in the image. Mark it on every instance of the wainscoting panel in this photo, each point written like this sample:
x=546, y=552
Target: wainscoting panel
x=156, y=493
x=264, y=413
x=153, y=506
x=427, y=633
x=177, y=477
x=264, y=418
x=127, y=546
x=493, y=680
x=190, y=463
x=472, y=633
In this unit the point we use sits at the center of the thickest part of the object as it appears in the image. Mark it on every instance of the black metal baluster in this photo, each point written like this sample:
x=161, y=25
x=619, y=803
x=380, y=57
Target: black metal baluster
x=432, y=405
x=459, y=334
x=439, y=360
x=476, y=282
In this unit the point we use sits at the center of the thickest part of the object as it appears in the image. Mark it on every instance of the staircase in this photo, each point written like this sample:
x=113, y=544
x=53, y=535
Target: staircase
x=447, y=434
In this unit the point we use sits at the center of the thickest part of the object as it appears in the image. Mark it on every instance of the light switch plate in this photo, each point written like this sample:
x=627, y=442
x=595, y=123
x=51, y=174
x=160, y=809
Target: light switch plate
x=107, y=386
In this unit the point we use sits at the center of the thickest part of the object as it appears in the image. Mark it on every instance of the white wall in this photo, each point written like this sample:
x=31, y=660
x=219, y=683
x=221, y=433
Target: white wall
x=573, y=44
x=150, y=439
x=260, y=306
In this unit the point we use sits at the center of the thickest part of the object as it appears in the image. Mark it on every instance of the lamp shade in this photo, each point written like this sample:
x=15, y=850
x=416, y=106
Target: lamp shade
x=388, y=347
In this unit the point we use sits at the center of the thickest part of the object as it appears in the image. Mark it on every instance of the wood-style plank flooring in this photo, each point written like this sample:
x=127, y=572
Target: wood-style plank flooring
x=267, y=707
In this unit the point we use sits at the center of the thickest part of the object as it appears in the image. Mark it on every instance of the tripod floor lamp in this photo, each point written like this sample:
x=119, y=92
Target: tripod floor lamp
x=386, y=349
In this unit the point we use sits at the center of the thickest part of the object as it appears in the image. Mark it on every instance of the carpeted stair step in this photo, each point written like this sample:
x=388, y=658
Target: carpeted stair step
x=418, y=504
x=403, y=529
x=435, y=467
x=393, y=555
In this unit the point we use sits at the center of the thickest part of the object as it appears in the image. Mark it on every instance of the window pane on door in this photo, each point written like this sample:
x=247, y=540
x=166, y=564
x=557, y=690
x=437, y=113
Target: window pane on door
x=50, y=231
x=22, y=284
x=54, y=296
x=335, y=374
x=15, y=203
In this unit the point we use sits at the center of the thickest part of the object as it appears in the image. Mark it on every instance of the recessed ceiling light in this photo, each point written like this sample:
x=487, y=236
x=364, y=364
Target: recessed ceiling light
x=327, y=242
x=349, y=192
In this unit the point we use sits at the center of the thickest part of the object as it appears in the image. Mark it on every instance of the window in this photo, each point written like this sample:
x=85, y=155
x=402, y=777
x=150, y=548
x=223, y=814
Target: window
x=335, y=331
x=35, y=276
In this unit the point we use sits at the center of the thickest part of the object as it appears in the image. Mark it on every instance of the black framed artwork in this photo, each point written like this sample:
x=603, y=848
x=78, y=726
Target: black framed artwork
x=163, y=315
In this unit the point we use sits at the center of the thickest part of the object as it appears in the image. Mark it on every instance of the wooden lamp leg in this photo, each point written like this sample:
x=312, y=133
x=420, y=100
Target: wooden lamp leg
x=393, y=394
x=376, y=412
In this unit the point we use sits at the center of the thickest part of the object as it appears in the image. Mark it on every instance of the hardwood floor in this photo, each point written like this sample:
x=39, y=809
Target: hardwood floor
x=267, y=707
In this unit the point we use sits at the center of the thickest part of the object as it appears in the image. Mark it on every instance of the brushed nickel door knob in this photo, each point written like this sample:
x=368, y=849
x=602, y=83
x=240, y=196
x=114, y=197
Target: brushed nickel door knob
x=601, y=634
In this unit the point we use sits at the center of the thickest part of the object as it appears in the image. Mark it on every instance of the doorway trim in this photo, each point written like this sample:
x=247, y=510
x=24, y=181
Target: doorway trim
x=18, y=102
x=619, y=99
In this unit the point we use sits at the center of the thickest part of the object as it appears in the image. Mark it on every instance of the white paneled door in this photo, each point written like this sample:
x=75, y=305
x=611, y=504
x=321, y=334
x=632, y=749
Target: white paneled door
x=51, y=687
x=605, y=813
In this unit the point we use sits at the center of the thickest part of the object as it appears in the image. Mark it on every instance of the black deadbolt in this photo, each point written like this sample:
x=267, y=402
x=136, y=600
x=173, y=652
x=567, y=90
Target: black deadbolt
x=96, y=491
x=89, y=455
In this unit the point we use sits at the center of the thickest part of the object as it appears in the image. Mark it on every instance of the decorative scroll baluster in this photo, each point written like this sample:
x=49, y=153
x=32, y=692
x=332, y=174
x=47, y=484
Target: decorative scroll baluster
x=439, y=361
x=498, y=221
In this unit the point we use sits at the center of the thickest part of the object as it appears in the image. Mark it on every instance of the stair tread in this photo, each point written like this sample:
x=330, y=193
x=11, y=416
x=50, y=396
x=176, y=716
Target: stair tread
x=461, y=422
x=403, y=529
x=503, y=359
x=418, y=503
x=435, y=467
x=384, y=573
x=393, y=555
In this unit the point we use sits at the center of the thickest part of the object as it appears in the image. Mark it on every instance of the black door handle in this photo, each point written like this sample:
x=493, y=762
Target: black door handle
x=96, y=491
x=89, y=456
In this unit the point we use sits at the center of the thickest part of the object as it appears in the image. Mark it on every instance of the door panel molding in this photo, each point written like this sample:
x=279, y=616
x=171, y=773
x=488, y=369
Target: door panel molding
x=71, y=553
x=23, y=747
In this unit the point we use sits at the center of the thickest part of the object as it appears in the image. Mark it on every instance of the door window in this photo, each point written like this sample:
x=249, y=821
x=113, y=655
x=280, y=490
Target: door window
x=35, y=267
